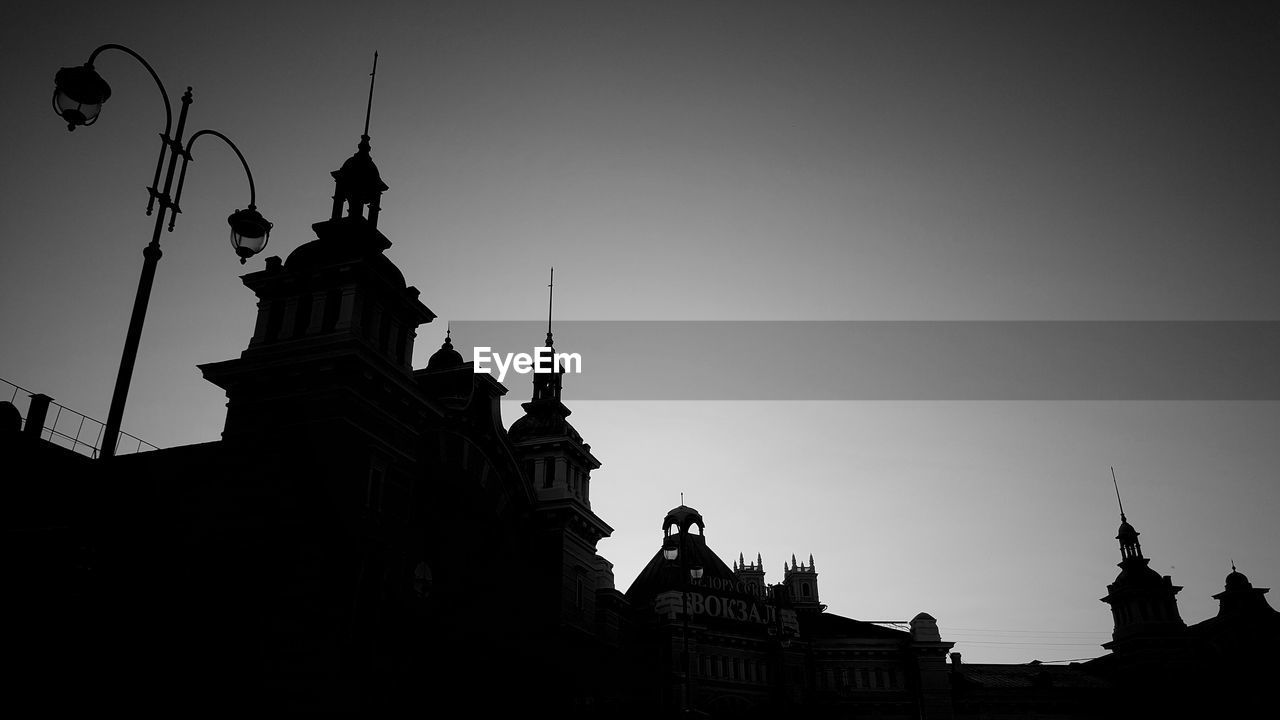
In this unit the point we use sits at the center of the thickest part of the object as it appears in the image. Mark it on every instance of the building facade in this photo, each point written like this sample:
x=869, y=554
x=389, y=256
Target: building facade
x=370, y=536
x=722, y=641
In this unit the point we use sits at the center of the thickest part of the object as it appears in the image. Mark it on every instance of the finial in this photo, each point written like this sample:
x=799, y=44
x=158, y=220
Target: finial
x=448, y=338
x=369, y=108
x=1118, y=501
x=1233, y=565
x=682, y=499
x=759, y=561
x=551, y=289
x=811, y=561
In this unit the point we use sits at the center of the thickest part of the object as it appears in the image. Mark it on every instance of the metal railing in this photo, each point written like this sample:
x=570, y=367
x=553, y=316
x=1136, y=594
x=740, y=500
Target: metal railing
x=70, y=429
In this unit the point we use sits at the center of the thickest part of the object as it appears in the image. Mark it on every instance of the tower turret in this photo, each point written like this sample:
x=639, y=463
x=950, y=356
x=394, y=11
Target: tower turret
x=559, y=464
x=802, y=584
x=751, y=574
x=335, y=327
x=1143, y=603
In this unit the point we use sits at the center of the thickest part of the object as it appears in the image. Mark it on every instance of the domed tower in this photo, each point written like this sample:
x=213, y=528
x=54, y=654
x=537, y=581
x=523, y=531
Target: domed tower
x=335, y=327
x=559, y=464
x=1240, y=599
x=802, y=584
x=446, y=358
x=1143, y=604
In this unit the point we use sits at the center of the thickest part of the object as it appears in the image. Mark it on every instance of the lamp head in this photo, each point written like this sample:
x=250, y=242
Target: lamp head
x=249, y=232
x=78, y=95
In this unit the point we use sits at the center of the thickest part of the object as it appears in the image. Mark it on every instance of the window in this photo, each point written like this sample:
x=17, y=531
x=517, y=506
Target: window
x=302, y=315
x=332, y=303
x=275, y=318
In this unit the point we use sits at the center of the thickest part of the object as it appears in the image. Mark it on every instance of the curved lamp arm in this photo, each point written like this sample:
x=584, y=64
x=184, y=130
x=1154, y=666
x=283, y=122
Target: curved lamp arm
x=168, y=108
x=166, y=141
x=187, y=158
x=249, y=230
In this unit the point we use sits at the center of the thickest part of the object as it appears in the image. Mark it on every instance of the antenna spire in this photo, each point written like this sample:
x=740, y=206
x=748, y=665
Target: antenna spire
x=369, y=108
x=1118, y=501
x=551, y=289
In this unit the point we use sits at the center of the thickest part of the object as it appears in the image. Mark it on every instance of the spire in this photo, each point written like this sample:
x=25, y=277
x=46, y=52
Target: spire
x=358, y=181
x=368, y=111
x=551, y=289
x=759, y=561
x=1127, y=535
x=811, y=566
x=1118, y=500
x=547, y=385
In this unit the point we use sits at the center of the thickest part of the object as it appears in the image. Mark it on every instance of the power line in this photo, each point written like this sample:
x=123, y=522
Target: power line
x=1046, y=632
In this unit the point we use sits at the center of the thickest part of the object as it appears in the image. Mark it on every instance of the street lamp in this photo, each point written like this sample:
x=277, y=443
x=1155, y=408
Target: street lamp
x=78, y=96
x=694, y=573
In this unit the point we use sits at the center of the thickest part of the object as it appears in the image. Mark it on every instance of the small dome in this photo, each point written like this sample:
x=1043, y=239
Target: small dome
x=446, y=357
x=683, y=517
x=1126, y=532
x=358, y=178
x=1237, y=580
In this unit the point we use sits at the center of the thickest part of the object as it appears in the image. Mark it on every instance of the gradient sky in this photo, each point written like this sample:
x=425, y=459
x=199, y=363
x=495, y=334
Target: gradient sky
x=721, y=161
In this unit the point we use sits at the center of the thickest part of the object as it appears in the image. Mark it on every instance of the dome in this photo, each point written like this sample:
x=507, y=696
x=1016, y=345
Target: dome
x=1126, y=532
x=358, y=178
x=1237, y=580
x=1138, y=574
x=683, y=517
x=446, y=357
x=341, y=241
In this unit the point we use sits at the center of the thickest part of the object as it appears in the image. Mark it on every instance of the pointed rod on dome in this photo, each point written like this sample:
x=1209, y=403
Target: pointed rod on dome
x=551, y=289
x=1118, y=501
x=368, y=111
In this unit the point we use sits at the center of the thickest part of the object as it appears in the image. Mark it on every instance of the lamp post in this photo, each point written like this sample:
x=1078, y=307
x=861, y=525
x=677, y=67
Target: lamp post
x=78, y=96
x=686, y=574
x=782, y=640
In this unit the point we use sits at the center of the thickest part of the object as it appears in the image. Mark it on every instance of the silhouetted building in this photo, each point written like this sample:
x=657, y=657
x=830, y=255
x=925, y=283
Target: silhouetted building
x=730, y=645
x=368, y=536
x=364, y=535
x=1160, y=665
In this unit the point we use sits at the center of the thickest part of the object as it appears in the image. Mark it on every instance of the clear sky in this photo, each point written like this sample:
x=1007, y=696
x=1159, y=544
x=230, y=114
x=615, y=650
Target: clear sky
x=721, y=161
